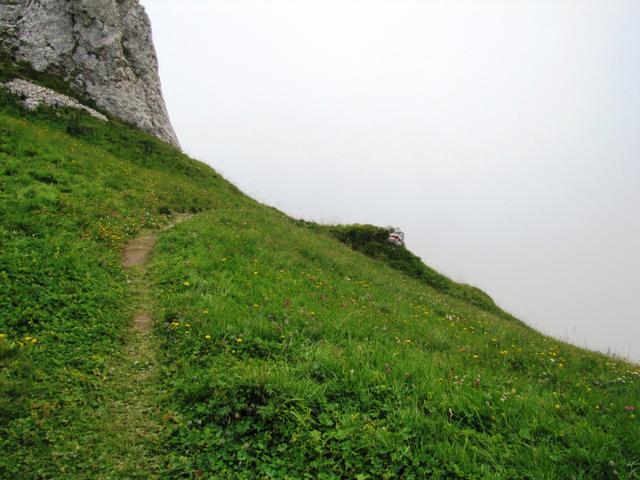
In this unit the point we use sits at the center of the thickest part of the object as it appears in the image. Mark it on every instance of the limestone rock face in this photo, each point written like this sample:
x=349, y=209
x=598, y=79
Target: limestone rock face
x=103, y=47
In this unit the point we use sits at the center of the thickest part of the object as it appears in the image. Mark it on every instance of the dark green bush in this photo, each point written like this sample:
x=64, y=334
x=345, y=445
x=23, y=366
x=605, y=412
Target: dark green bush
x=76, y=128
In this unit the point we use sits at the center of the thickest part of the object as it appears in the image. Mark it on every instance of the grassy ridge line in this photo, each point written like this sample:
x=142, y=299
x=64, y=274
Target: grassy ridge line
x=288, y=355
x=372, y=241
x=68, y=204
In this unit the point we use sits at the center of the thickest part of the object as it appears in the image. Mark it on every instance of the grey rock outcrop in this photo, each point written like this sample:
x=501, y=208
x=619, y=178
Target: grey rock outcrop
x=102, y=47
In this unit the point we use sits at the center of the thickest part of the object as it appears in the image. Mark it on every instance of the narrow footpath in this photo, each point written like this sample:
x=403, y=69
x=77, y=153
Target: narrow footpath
x=131, y=422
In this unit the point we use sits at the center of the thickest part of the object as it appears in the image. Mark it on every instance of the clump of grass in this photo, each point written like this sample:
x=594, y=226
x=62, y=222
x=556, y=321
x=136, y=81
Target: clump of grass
x=75, y=127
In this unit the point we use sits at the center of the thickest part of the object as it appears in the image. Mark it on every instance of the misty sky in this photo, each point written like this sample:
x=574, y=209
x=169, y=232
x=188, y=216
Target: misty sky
x=503, y=137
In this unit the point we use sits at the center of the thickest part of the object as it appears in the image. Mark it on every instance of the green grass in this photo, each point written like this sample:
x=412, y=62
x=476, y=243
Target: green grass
x=290, y=355
x=67, y=206
x=372, y=241
x=279, y=351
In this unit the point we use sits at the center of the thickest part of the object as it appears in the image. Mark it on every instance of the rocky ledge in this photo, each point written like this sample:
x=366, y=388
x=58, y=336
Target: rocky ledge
x=34, y=95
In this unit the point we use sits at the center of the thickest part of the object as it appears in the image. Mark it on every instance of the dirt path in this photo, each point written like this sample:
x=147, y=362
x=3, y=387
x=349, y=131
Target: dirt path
x=131, y=422
x=134, y=259
x=138, y=251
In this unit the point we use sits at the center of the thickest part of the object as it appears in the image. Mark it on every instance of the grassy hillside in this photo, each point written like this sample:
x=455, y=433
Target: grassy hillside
x=372, y=241
x=68, y=204
x=281, y=352
x=289, y=354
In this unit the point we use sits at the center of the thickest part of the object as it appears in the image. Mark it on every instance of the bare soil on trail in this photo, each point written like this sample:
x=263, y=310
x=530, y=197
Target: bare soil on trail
x=138, y=251
x=142, y=322
x=134, y=259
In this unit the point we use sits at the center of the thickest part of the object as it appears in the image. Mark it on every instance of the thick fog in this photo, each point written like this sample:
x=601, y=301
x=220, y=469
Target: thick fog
x=503, y=137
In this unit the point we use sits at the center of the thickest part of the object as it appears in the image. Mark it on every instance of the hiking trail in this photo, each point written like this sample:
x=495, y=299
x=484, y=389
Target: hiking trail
x=132, y=421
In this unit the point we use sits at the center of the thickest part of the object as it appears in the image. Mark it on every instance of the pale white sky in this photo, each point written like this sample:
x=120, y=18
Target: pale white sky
x=502, y=136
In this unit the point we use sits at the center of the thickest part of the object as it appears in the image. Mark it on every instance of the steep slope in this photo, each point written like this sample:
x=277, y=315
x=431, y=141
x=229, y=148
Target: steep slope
x=372, y=241
x=68, y=205
x=279, y=351
x=288, y=354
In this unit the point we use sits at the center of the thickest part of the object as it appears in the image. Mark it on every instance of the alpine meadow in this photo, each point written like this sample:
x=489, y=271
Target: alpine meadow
x=156, y=322
x=322, y=353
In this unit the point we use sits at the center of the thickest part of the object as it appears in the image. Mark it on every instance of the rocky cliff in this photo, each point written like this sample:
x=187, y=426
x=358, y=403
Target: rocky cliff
x=102, y=47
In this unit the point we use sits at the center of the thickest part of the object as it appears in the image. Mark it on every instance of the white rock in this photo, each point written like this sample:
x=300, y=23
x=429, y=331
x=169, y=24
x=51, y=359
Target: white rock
x=102, y=47
x=35, y=95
